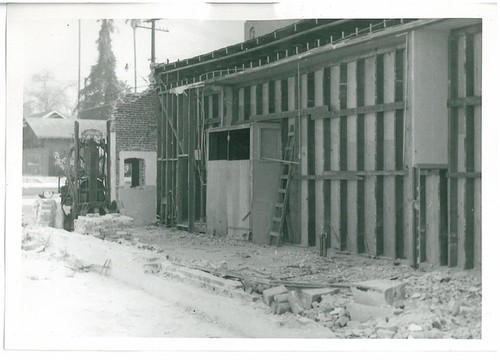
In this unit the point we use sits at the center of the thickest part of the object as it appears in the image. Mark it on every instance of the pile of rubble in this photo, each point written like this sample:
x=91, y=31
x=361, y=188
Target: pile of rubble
x=112, y=227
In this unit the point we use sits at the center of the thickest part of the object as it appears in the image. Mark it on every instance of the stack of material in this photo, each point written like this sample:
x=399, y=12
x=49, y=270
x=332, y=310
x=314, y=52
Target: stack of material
x=45, y=212
x=281, y=300
x=112, y=227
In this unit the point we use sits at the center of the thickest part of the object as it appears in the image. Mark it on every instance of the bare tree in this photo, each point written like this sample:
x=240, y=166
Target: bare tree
x=45, y=93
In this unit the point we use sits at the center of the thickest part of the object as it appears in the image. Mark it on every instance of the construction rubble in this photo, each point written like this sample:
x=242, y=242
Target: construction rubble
x=430, y=302
x=353, y=296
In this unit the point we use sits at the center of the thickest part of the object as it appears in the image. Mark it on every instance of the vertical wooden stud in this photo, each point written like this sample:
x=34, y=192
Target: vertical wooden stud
x=461, y=131
x=477, y=148
x=253, y=100
x=352, y=185
x=335, y=158
x=370, y=153
x=265, y=98
x=241, y=105
x=318, y=158
x=304, y=160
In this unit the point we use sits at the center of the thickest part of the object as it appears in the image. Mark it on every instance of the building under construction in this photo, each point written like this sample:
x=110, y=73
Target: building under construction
x=361, y=135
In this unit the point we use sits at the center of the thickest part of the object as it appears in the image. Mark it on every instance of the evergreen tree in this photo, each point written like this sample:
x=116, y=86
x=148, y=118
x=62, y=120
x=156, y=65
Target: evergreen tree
x=102, y=88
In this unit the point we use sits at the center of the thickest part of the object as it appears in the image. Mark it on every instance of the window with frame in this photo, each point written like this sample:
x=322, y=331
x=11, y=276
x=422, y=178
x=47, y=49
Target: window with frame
x=134, y=172
x=229, y=145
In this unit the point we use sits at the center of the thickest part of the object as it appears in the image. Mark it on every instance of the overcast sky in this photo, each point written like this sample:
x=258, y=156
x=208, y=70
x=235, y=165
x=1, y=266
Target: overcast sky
x=52, y=44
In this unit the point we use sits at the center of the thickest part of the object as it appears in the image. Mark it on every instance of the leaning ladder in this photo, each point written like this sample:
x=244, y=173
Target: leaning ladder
x=280, y=207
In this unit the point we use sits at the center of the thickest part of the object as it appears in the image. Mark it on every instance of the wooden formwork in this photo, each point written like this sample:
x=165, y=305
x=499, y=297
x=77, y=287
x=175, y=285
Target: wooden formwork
x=352, y=175
x=181, y=175
x=464, y=184
x=358, y=181
x=350, y=184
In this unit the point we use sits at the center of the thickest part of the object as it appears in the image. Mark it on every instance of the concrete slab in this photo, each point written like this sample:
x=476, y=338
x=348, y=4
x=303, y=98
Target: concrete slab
x=378, y=292
x=363, y=313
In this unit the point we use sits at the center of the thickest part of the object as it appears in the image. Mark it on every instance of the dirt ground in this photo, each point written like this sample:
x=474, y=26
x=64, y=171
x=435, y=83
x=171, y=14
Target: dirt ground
x=441, y=302
x=58, y=302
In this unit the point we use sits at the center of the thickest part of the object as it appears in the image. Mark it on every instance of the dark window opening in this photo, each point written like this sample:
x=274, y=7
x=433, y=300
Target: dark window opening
x=258, y=99
x=326, y=86
x=310, y=90
x=284, y=95
x=133, y=171
x=206, y=107
x=343, y=86
x=215, y=105
x=229, y=145
x=239, y=144
x=246, y=103
x=217, y=145
x=236, y=104
x=272, y=96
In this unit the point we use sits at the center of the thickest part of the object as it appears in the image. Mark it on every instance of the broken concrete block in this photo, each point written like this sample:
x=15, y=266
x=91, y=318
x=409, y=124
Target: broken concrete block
x=295, y=303
x=378, y=292
x=268, y=294
x=342, y=321
x=281, y=298
x=362, y=313
x=282, y=308
x=308, y=296
x=274, y=307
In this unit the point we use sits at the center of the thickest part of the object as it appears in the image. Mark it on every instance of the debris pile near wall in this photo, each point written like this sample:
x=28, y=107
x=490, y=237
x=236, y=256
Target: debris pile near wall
x=112, y=227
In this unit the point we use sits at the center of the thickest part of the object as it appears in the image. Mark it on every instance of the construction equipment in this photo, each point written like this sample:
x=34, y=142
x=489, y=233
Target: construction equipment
x=87, y=187
x=280, y=211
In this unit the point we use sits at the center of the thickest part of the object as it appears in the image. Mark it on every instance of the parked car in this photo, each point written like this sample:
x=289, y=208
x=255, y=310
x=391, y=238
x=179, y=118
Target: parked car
x=33, y=185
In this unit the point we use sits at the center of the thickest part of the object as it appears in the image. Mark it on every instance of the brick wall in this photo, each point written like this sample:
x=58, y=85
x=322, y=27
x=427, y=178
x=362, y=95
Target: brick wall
x=134, y=121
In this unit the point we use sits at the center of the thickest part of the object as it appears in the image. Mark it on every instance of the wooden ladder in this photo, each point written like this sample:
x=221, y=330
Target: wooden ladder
x=280, y=207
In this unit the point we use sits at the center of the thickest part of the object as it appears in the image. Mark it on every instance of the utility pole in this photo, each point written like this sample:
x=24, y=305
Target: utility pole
x=79, y=60
x=153, y=29
x=153, y=25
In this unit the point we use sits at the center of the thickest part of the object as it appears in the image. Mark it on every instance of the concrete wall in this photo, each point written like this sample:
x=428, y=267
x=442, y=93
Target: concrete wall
x=138, y=202
x=429, y=95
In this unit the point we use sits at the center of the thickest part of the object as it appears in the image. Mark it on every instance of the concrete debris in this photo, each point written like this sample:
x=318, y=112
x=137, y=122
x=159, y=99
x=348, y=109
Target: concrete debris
x=309, y=296
x=282, y=308
x=342, y=321
x=378, y=292
x=112, y=227
x=268, y=295
x=414, y=327
x=454, y=307
x=281, y=298
x=295, y=303
x=443, y=303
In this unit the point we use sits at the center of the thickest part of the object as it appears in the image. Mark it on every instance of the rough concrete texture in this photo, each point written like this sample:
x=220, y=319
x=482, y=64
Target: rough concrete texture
x=378, y=292
x=363, y=313
x=107, y=227
x=127, y=265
